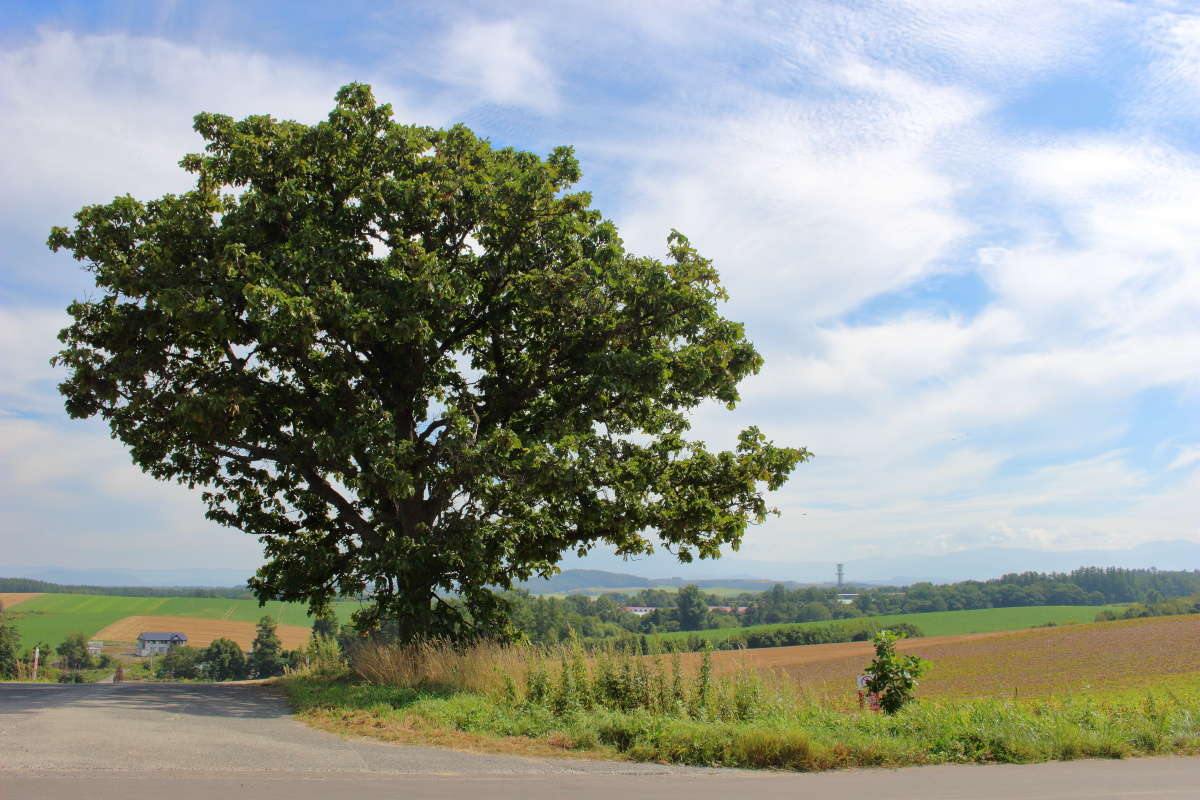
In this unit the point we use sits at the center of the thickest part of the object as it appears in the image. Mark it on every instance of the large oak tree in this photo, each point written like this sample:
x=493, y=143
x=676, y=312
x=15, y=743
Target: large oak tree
x=413, y=365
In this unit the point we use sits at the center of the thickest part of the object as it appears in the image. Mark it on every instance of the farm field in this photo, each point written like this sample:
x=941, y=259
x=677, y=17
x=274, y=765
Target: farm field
x=933, y=623
x=200, y=631
x=1101, y=656
x=50, y=617
x=10, y=599
x=1098, y=690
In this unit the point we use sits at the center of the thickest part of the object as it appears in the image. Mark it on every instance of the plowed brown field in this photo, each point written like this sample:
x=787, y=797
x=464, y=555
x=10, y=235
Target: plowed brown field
x=1108, y=655
x=200, y=632
x=10, y=599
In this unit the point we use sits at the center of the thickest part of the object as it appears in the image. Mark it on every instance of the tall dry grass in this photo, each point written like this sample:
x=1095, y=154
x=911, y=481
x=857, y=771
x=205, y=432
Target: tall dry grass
x=484, y=667
x=564, y=679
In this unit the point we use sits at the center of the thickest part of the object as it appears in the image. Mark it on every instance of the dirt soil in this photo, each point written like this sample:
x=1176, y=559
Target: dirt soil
x=10, y=599
x=1040, y=661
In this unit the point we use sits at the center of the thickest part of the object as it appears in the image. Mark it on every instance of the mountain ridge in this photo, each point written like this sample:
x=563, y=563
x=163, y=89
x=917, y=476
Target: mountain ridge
x=974, y=564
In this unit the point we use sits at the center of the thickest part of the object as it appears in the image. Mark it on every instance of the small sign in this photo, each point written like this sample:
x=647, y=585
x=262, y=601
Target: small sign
x=866, y=699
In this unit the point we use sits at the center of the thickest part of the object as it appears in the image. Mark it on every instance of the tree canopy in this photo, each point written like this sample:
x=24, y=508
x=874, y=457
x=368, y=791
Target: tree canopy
x=266, y=651
x=692, y=609
x=73, y=651
x=416, y=366
x=10, y=644
x=223, y=660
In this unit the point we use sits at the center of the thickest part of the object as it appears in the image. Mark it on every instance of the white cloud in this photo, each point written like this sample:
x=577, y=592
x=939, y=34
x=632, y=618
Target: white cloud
x=499, y=62
x=70, y=496
x=1096, y=307
x=998, y=44
x=27, y=343
x=1187, y=456
x=809, y=211
x=87, y=117
x=1170, y=82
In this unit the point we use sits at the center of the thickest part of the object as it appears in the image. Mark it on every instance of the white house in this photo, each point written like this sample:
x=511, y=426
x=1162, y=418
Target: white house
x=149, y=644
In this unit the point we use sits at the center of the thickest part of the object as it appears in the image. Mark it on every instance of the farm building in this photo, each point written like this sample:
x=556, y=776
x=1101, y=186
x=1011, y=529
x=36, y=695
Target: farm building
x=149, y=644
x=642, y=611
x=730, y=609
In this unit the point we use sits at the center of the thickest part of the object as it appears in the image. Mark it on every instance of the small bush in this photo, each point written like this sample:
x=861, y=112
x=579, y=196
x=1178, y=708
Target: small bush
x=180, y=663
x=893, y=677
x=325, y=657
x=224, y=660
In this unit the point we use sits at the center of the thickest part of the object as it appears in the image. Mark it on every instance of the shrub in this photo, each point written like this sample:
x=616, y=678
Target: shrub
x=73, y=651
x=906, y=630
x=10, y=641
x=266, y=652
x=181, y=663
x=325, y=657
x=893, y=677
x=224, y=661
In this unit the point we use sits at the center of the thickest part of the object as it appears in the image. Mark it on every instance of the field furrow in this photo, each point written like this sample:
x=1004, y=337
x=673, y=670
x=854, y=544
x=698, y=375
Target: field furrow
x=1044, y=661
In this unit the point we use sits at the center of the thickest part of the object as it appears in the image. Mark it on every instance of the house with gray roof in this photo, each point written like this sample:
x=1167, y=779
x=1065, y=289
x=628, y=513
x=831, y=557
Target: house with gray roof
x=149, y=644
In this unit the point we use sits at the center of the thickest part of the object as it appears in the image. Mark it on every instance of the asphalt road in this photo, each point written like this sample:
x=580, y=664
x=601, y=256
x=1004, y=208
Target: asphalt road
x=196, y=741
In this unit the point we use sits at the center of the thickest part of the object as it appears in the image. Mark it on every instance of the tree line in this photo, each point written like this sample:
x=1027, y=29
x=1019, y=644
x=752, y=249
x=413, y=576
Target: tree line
x=549, y=619
x=46, y=587
x=1083, y=586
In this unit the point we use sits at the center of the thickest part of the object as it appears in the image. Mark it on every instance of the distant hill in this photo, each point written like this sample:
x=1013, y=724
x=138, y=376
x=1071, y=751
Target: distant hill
x=30, y=585
x=607, y=571
x=579, y=581
x=900, y=570
x=117, y=576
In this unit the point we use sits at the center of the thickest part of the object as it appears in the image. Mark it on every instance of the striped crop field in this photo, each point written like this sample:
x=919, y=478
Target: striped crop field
x=933, y=623
x=200, y=631
x=1097, y=657
x=48, y=618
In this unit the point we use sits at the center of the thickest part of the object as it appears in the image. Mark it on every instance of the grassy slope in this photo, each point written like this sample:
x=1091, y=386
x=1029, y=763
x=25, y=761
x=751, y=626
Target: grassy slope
x=937, y=623
x=51, y=617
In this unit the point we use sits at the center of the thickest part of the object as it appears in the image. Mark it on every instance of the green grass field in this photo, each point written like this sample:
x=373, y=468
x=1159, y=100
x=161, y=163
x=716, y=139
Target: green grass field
x=936, y=623
x=51, y=617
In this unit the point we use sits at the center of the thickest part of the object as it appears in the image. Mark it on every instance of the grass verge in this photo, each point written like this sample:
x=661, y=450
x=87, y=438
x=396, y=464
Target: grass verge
x=638, y=709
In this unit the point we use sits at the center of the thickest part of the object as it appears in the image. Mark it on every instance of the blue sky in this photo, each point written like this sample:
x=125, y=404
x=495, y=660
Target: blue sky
x=963, y=234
